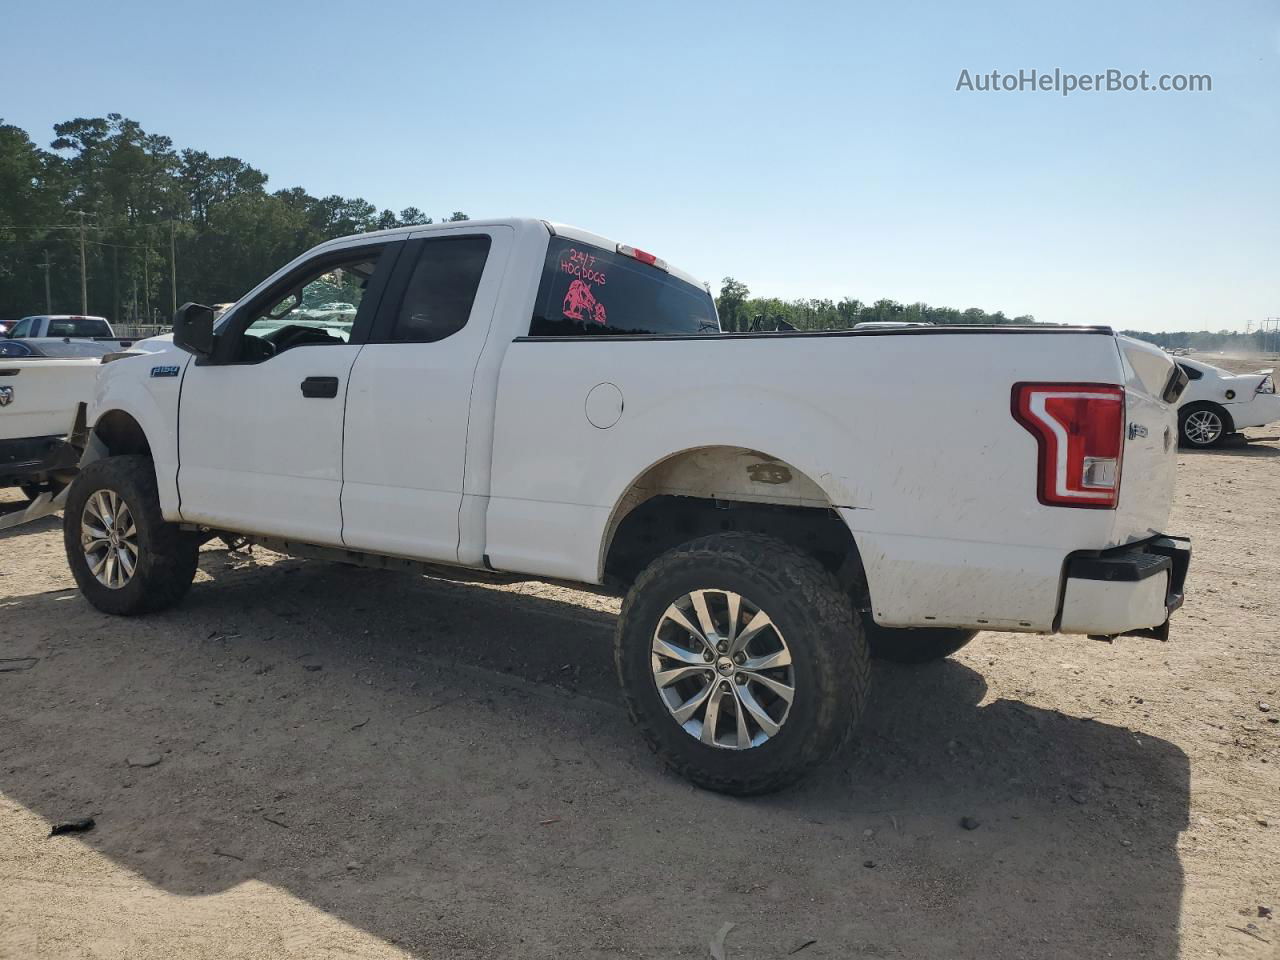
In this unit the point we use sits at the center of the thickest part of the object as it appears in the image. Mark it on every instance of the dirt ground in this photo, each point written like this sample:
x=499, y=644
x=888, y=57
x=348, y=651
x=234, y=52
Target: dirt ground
x=309, y=760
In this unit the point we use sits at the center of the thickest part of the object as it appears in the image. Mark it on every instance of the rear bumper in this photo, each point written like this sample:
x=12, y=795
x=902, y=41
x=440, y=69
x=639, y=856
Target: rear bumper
x=34, y=458
x=1130, y=590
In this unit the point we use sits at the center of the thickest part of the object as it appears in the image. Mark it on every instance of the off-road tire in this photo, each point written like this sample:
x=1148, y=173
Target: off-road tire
x=923, y=645
x=828, y=649
x=167, y=555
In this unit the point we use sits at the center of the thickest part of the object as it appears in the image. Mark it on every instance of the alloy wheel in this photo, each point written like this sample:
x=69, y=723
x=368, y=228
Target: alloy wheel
x=109, y=538
x=1203, y=427
x=723, y=669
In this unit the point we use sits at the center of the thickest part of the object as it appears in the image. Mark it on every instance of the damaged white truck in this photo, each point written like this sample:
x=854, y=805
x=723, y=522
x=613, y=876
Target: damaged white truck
x=532, y=398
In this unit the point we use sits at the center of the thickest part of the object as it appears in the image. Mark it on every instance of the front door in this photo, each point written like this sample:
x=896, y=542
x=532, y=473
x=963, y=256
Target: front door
x=260, y=424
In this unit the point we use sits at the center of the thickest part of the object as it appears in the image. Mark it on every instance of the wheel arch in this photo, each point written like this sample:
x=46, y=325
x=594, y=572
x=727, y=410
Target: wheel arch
x=120, y=434
x=714, y=488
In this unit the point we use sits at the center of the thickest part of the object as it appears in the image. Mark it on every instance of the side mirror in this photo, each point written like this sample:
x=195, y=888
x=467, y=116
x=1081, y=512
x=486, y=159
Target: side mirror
x=193, y=329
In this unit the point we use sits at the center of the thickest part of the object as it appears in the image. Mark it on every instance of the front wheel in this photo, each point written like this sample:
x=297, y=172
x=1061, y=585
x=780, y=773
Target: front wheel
x=741, y=662
x=125, y=557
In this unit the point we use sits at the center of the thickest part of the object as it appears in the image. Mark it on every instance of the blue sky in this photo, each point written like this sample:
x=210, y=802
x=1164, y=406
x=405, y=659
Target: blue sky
x=806, y=149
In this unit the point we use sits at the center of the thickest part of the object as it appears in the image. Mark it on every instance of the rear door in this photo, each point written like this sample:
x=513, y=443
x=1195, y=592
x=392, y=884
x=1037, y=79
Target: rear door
x=1150, y=442
x=408, y=405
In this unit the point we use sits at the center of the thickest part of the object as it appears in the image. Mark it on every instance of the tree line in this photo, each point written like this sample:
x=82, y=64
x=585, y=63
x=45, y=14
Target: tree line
x=135, y=207
x=739, y=311
x=1206, y=341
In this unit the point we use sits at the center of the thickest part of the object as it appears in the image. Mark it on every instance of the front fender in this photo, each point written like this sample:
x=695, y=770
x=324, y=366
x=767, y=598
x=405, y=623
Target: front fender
x=146, y=387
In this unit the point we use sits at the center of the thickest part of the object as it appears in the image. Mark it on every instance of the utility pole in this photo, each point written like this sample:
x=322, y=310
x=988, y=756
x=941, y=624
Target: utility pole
x=173, y=268
x=84, y=280
x=48, y=297
x=146, y=282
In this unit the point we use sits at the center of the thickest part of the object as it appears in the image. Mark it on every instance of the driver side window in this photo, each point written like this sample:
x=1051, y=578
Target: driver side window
x=319, y=308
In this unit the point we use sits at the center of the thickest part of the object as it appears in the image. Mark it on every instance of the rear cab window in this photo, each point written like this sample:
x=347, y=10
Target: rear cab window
x=78, y=327
x=590, y=291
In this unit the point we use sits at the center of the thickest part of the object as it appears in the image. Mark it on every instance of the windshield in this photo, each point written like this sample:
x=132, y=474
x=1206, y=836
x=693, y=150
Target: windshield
x=590, y=291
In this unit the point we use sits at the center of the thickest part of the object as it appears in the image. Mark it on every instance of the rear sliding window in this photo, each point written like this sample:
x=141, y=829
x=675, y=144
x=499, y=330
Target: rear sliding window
x=78, y=327
x=589, y=291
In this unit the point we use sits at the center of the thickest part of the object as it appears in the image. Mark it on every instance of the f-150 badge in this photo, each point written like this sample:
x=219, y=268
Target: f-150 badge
x=164, y=371
x=6, y=396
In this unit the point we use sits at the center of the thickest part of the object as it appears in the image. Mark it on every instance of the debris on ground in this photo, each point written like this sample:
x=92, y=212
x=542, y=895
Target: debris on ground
x=807, y=943
x=144, y=760
x=72, y=826
x=717, y=942
x=1250, y=930
x=14, y=664
x=970, y=823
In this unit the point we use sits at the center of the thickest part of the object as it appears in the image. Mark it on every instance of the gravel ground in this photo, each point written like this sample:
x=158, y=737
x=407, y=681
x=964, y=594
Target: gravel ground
x=309, y=760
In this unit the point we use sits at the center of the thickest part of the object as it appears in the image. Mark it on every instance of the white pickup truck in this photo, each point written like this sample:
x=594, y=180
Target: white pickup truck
x=531, y=398
x=42, y=382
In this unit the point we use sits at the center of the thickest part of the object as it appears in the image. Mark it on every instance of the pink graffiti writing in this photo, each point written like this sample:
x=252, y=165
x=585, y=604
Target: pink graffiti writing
x=580, y=264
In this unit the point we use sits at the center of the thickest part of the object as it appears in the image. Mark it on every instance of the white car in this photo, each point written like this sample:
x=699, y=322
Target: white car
x=1217, y=403
x=532, y=398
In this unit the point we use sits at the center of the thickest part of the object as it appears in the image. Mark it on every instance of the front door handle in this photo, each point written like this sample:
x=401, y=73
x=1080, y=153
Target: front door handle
x=320, y=387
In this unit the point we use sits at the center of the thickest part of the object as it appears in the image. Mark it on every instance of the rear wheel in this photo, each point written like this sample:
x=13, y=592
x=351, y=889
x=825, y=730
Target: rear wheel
x=741, y=662
x=913, y=645
x=125, y=557
x=1202, y=425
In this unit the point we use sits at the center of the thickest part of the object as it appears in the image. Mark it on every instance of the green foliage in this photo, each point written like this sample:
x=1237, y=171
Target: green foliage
x=740, y=311
x=132, y=190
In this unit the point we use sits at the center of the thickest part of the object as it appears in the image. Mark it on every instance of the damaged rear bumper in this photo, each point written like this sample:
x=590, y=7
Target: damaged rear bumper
x=1126, y=591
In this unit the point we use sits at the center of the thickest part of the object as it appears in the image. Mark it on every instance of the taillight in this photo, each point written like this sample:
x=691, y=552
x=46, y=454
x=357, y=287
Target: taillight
x=1079, y=428
x=644, y=256
x=1267, y=385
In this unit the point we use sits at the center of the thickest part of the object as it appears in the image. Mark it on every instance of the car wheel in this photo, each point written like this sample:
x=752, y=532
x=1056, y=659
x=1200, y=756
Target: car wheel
x=741, y=662
x=1202, y=425
x=125, y=557
x=911, y=646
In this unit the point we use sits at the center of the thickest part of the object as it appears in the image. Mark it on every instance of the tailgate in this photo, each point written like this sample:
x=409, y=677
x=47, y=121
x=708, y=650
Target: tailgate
x=38, y=398
x=1151, y=441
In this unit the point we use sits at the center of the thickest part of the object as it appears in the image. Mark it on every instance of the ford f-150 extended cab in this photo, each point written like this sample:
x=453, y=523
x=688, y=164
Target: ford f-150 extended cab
x=534, y=399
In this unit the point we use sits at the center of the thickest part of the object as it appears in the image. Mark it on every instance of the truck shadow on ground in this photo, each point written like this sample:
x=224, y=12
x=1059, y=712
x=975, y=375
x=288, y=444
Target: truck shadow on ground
x=448, y=767
x=1237, y=446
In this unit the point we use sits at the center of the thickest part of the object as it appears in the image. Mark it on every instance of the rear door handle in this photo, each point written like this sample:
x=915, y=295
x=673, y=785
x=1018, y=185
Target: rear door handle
x=320, y=387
